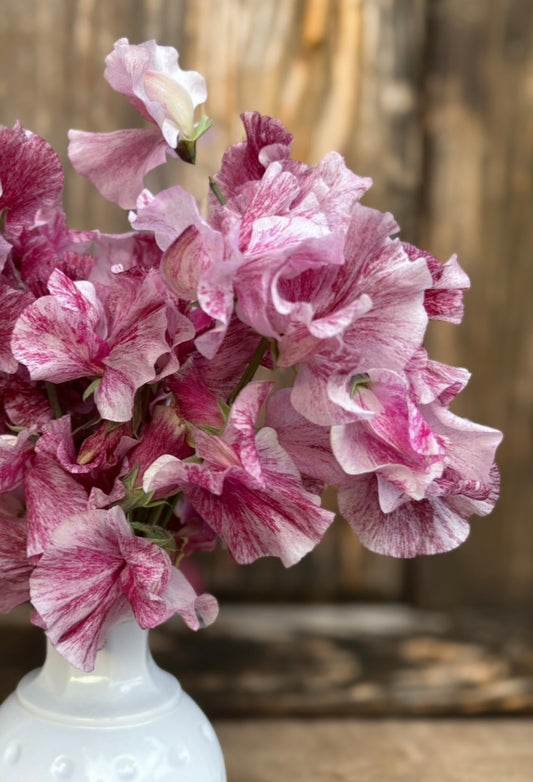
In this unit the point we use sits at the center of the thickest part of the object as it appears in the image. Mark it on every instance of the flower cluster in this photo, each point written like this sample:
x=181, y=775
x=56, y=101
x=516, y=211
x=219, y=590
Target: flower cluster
x=134, y=428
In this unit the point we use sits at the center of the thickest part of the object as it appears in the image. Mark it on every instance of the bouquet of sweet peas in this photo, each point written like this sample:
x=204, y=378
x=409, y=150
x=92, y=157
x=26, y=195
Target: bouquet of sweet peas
x=142, y=414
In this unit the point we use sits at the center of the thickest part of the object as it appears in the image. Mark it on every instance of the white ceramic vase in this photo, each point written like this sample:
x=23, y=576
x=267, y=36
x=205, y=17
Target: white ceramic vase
x=127, y=721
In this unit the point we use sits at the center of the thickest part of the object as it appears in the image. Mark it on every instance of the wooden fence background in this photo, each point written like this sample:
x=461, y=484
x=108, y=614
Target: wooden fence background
x=433, y=99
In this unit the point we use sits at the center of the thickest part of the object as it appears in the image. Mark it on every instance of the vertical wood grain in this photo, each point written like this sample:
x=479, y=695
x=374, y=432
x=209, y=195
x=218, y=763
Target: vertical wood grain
x=479, y=195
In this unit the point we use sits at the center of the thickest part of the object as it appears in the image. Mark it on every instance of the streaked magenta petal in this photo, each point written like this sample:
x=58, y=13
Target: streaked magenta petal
x=31, y=178
x=52, y=496
x=56, y=344
x=193, y=400
x=165, y=434
x=13, y=304
x=76, y=584
x=15, y=450
x=413, y=529
x=306, y=443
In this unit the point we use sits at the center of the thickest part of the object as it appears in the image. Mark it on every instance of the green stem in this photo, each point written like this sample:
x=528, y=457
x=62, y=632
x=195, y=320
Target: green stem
x=155, y=515
x=251, y=369
x=52, y=398
x=169, y=510
x=216, y=190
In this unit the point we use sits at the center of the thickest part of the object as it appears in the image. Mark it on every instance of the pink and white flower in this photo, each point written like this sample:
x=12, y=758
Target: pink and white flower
x=389, y=521
x=94, y=570
x=149, y=76
x=73, y=333
x=247, y=488
x=31, y=180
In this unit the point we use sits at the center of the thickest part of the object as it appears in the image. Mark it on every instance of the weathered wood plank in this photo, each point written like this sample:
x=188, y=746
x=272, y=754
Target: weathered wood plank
x=375, y=751
x=479, y=180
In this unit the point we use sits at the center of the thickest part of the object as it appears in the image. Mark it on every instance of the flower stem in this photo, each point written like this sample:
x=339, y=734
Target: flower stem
x=216, y=190
x=251, y=369
x=52, y=398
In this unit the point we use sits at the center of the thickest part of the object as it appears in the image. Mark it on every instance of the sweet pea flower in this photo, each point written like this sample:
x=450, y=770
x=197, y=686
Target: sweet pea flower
x=31, y=180
x=136, y=427
x=387, y=520
x=246, y=488
x=72, y=333
x=395, y=440
x=150, y=78
x=95, y=571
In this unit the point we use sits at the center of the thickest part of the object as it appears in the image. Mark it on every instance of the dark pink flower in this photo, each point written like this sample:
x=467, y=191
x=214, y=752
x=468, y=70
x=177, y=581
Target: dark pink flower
x=31, y=179
x=15, y=568
x=52, y=245
x=266, y=140
x=13, y=303
x=15, y=450
x=165, y=433
x=52, y=495
x=193, y=401
x=25, y=405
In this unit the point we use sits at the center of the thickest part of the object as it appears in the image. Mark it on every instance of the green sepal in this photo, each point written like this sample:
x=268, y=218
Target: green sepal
x=186, y=150
x=158, y=535
x=91, y=388
x=361, y=380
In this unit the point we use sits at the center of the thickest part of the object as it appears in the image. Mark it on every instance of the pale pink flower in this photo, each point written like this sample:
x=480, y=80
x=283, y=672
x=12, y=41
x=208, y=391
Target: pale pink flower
x=430, y=380
x=395, y=439
x=149, y=76
x=285, y=219
x=388, y=521
x=371, y=315
x=95, y=571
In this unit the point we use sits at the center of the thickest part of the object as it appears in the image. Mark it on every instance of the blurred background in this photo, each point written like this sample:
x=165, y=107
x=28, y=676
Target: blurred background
x=431, y=98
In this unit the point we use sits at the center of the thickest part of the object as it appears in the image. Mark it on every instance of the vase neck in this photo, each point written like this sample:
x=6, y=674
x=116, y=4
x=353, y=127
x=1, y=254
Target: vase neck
x=125, y=681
